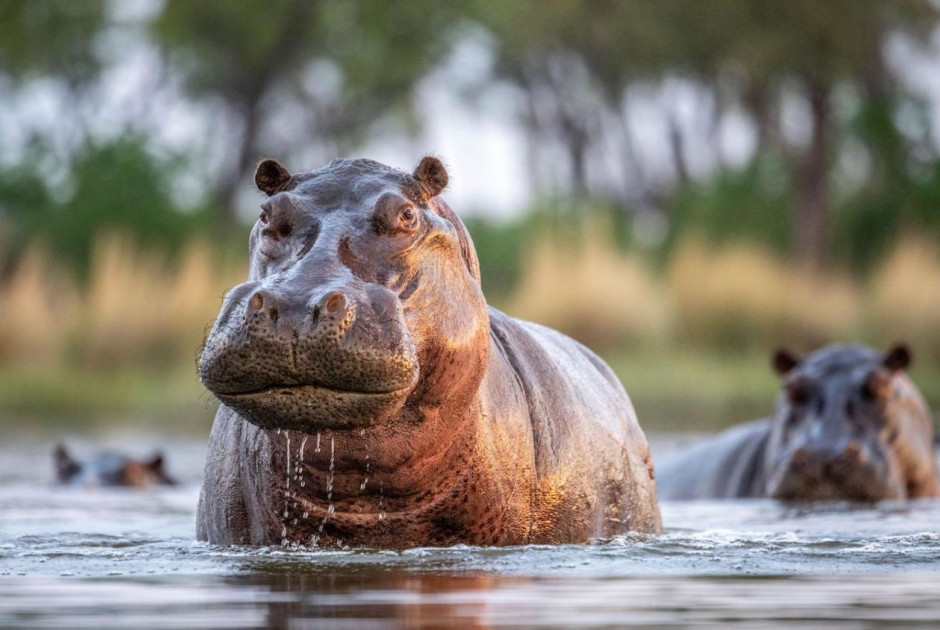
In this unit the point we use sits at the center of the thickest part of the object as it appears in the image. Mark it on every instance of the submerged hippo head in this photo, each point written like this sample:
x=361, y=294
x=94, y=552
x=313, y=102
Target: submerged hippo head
x=849, y=425
x=363, y=294
x=109, y=469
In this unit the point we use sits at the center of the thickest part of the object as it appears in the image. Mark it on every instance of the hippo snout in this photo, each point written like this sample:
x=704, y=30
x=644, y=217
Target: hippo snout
x=328, y=312
x=331, y=356
x=852, y=471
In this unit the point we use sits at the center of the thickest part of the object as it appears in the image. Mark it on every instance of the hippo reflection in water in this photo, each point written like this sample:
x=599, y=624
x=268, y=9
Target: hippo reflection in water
x=109, y=469
x=849, y=425
x=371, y=398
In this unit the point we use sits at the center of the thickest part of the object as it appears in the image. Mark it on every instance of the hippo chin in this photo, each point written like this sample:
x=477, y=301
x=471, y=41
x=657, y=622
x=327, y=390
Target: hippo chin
x=371, y=398
x=848, y=426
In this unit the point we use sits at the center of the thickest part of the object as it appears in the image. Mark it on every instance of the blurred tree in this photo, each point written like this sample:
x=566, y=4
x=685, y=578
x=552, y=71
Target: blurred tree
x=819, y=46
x=116, y=186
x=50, y=38
x=578, y=60
x=330, y=68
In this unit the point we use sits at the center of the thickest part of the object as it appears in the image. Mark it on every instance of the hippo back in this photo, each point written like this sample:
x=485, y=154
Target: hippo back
x=728, y=465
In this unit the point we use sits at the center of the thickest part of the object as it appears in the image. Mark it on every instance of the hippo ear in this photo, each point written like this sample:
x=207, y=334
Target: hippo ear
x=65, y=466
x=784, y=361
x=431, y=175
x=270, y=176
x=156, y=464
x=897, y=358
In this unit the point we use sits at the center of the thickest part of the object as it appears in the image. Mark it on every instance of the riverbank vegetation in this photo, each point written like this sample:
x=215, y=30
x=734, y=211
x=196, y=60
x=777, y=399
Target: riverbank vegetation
x=689, y=333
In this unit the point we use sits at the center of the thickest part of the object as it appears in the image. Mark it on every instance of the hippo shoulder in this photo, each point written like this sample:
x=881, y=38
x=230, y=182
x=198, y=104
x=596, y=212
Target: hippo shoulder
x=724, y=466
x=572, y=395
x=552, y=366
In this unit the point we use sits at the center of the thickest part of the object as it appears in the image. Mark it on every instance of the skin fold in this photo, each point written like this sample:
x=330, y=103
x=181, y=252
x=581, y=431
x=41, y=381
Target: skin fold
x=371, y=398
x=848, y=425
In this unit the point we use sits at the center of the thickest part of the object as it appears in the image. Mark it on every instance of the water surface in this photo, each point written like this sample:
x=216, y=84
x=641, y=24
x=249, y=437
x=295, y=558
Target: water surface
x=100, y=558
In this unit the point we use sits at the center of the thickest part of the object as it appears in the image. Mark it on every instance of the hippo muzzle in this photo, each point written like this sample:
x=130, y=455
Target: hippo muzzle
x=336, y=355
x=853, y=471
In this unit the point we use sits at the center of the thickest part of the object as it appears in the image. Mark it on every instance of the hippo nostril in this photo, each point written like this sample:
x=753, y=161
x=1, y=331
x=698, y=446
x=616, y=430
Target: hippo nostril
x=263, y=217
x=256, y=301
x=272, y=313
x=336, y=301
x=800, y=456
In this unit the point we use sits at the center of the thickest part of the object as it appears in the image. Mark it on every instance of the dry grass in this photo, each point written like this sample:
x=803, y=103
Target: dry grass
x=905, y=297
x=137, y=307
x=740, y=298
x=744, y=297
x=590, y=290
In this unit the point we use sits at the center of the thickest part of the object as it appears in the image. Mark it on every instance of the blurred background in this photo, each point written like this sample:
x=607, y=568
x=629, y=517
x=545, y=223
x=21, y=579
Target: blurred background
x=683, y=186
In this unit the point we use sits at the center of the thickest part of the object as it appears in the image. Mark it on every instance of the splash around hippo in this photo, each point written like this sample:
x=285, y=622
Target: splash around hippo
x=371, y=398
x=848, y=425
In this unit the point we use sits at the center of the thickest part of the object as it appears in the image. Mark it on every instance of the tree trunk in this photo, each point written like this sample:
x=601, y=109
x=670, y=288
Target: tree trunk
x=679, y=165
x=812, y=195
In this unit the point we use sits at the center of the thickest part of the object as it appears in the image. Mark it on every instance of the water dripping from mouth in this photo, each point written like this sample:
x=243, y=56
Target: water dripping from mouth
x=329, y=483
x=299, y=467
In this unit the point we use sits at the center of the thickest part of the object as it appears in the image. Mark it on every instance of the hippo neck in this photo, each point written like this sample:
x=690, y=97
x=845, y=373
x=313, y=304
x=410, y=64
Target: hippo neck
x=358, y=486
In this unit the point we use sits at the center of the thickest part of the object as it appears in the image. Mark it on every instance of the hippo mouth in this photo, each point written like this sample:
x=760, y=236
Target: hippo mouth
x=300, y=390
x=314, y=407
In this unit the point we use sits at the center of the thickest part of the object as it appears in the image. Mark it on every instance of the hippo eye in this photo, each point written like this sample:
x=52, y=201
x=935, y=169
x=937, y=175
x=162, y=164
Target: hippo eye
x=875, y=387
x=407, y=213
x=799, y=391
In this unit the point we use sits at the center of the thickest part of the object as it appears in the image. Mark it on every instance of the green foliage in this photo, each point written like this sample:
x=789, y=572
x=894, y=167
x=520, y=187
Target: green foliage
x=748, y=205
x=115, y=186
x=50, y=38
x=499, y=247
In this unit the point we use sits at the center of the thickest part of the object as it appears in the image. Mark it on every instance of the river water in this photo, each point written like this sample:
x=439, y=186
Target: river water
x=100, y=558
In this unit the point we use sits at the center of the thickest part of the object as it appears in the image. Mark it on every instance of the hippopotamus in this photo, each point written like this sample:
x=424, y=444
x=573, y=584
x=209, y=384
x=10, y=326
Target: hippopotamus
x=848, y=425
x=371, y=398
x=109, y=469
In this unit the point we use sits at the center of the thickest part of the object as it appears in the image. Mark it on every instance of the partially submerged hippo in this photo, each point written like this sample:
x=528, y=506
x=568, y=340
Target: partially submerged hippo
x=371, y=398
x=109, y=469
x=849, y=425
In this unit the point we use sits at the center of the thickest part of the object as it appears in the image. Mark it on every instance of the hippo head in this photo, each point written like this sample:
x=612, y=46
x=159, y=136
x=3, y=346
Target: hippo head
x=109, y=469
x=363, y=295
x=841, y=424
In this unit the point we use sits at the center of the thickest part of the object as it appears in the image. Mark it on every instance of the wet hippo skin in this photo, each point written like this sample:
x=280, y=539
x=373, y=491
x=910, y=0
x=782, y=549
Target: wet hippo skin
x=848, y=425
x=370, y=397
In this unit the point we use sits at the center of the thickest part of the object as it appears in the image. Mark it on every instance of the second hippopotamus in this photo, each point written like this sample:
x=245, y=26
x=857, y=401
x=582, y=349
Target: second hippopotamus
x=848, y=425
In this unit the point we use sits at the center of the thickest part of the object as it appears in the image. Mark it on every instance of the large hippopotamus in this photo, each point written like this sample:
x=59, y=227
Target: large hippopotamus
x=848, y=425
x=371, y=398
x=109, y=469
